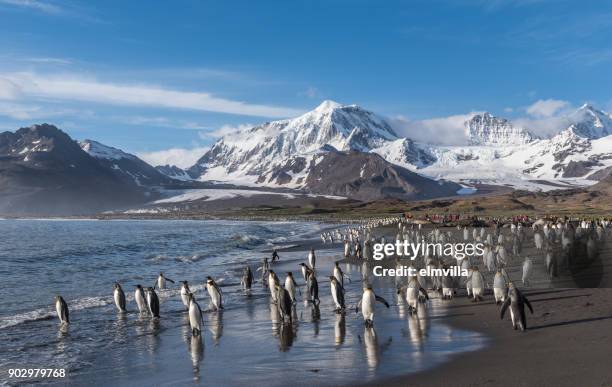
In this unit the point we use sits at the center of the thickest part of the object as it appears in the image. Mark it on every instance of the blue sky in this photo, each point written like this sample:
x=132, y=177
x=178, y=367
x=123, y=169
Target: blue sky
x=150, y=76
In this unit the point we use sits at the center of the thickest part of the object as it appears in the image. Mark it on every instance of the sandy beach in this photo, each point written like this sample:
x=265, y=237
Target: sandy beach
x=567, y=343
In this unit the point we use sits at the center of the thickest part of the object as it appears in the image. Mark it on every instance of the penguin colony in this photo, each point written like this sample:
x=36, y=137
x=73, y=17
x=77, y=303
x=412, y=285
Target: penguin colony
x=556, y=239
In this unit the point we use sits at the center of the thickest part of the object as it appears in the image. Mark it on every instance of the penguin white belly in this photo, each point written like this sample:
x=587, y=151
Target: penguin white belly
x=58, y=309
x=195, y=318
x=412, y=296
x=334, y=291
x=117, y=298
x=184, y=297
x=311, y=260
x=140, y=301
x=498, y=294
x=367, y=306
x=290, y=288
x=215, y=297
x=161, y=283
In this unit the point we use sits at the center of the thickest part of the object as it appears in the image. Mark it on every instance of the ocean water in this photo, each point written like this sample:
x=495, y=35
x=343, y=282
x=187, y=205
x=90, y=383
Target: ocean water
x=81, y=259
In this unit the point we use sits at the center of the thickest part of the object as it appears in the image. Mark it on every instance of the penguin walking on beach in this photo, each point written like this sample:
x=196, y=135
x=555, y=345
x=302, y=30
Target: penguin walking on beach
x=499, y=287
x=119, y=297
x=368, y=305
x=306, y=271
x=291, y=286
x=216, y=296
x=152, y=302
x=337, y=291
x=312, y=259
x=414, y=292
x=478, y=284
x=185, y=292
x=195, y=316
x=339, y=274
x=161, y=281
x=273, y=283
x=140, y=298
x=313, y=289
x=516, y=301
x=61, y=307
x=247, y=278
x=284, y=303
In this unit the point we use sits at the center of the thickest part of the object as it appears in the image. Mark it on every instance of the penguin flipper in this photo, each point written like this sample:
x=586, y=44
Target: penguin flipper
x=168, y=279
x=424, y=293
x=528, y=304
x=380, y=299
x=504, y=307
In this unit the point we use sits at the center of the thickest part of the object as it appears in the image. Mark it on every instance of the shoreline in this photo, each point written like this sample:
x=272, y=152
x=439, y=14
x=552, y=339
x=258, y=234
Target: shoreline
x=567, y=343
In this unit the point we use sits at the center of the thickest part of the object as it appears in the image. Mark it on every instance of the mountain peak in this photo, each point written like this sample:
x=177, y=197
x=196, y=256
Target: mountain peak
x=589, y=122
x=101, y=151
x=328, y=105
x=487, y=129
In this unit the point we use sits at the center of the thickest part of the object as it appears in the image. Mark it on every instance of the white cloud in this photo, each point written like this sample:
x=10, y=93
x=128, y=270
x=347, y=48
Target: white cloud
x=78, y=88
x=181, y=157
x=544, y=108
x=34, y=5
x=9, y=89
x=442, y=130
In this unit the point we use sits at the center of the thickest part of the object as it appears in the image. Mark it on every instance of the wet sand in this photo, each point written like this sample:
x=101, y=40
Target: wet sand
x=568, y=343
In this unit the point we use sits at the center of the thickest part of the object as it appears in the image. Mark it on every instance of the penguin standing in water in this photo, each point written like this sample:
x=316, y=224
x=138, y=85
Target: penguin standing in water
x=139, y=296
x=312, y=259
x=161, y=281
x=368, y=305
x=414, y=291
x=339, y=274
x=185, y=292
x=195, y=315
x=516, y=301
x=152, y=302
x=306, y=271
x=265, y=267
x=119, y=297
x=247, y=278
x=216, y=296
x=273, y=283
x=291, y=286
x=313, y=289
x=62, y=310
x=284, y=303
x=337, y=291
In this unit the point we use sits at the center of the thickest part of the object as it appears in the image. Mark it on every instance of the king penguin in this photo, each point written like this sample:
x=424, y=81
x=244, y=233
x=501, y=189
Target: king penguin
x=216, y=296
x=62, y=310
x=195, y=315
x=185, y=292
x=516, y=301
x=139, y=296
x=161, y=281
x=119, y=297
x=367, y=305
x=337, y=291
x=152, y=302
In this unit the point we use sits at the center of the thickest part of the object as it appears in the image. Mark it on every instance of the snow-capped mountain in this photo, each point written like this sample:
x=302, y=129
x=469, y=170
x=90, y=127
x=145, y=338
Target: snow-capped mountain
x=125, y=165
x=44, y=171
x=485, y=129
x=284, y=153
x=590, y=123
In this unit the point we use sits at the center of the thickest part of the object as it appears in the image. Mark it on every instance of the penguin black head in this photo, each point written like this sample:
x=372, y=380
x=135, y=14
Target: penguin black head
x=209, y=278
x=57, y=298
x=138, y=286
x=161, y=274
x=337, y=263
x=332, y=278
x=302, y=264
x=116, y=285
x=289, y=274
x=271, y=271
